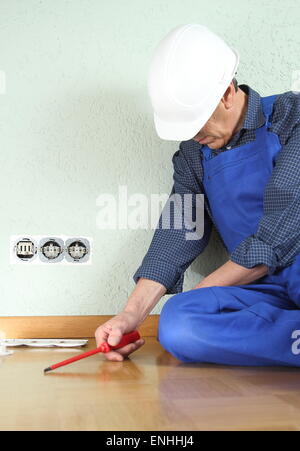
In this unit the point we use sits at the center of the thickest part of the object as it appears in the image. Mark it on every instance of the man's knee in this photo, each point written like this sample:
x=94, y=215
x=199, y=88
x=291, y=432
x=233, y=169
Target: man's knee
x=168, y=316
x=177, y=326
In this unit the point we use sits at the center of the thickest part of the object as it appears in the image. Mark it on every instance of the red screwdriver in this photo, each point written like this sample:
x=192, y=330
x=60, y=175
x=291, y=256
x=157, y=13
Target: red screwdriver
x=104, y=347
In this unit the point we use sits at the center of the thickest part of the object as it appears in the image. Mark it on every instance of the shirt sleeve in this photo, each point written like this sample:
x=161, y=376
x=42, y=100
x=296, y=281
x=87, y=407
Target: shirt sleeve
x=172, y=250
x=277, y=240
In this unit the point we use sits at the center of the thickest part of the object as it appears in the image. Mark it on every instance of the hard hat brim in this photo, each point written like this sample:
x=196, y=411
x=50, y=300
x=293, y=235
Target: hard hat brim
x=184, y=131
x=171, y=131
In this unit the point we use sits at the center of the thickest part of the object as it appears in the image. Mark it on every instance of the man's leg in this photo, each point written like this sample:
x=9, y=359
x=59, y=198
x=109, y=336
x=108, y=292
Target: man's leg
x=235, y=325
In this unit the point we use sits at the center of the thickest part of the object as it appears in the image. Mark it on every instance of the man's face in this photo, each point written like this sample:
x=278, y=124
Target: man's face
x=217, y=132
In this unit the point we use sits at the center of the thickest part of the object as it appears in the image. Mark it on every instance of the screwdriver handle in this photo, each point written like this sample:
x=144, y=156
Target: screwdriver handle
x=125, y=340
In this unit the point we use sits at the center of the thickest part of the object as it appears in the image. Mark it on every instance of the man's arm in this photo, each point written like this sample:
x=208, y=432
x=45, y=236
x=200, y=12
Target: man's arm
x=233, y=274
x=162, y=269
x=144, y=298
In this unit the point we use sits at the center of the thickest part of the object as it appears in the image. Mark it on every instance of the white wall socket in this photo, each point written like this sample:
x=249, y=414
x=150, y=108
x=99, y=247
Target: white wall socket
x=45, y=250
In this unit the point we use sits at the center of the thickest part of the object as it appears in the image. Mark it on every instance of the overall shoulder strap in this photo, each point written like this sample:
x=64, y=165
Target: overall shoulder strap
x=267, y=105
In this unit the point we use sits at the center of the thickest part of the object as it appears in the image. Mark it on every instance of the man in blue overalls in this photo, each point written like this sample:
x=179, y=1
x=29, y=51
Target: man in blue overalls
x=252, y=193
x=242, y=152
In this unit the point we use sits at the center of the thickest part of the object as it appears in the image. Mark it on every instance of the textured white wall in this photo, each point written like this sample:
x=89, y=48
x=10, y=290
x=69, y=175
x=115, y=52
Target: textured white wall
x=75, y=122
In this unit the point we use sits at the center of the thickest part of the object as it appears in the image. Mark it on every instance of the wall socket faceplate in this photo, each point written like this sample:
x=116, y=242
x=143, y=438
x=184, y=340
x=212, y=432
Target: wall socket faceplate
x=43, y=249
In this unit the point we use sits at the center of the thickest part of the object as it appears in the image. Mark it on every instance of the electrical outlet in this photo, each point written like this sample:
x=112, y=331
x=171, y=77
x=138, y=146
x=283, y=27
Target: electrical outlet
x=51, y=250
x=24, y=249
x=77, y=250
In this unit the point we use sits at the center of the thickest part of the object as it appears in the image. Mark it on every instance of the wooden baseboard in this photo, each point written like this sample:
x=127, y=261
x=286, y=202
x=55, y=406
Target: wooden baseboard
x=63, y=326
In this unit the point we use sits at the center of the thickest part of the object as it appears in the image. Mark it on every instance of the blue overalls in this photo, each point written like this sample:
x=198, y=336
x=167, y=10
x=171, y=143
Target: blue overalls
x=253, y=324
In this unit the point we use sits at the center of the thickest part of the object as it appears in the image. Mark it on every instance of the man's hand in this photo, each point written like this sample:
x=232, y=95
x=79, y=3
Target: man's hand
x=144, y=297
x=112, y=332
x=232, y=274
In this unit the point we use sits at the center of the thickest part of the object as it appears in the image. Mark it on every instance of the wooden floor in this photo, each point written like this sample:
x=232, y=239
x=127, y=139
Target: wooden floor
x=152, y=391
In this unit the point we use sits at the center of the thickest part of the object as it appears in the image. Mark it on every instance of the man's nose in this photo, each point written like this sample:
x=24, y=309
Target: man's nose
x=198, y=137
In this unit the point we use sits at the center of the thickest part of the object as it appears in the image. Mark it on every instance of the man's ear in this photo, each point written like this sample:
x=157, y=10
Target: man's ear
x=228, y=97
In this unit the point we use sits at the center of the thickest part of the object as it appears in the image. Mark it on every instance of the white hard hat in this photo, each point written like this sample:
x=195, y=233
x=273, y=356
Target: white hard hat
x=190, y=71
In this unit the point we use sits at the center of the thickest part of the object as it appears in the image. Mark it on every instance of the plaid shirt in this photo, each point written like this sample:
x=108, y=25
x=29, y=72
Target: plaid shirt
x=277, y=239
